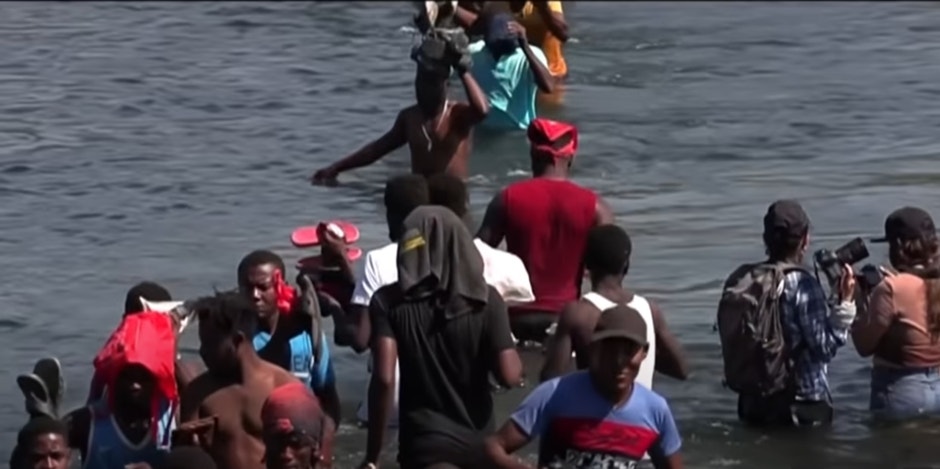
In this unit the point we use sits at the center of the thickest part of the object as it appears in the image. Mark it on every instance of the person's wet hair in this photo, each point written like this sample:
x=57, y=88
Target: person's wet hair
x=150, y=291
x=256, y=259
x=406, y=193
x=228, y=312
x=449, y=191
x=187, y=457
x=607, y=251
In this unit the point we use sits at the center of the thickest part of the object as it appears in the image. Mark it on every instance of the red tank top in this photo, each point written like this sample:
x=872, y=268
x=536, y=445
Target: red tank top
x=547, y=222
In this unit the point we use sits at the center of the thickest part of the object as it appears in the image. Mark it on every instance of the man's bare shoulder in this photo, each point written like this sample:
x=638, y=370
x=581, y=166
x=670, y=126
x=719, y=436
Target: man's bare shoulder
x=278, y=375
x=408, y=112
x=580, y=316
x=201, y=393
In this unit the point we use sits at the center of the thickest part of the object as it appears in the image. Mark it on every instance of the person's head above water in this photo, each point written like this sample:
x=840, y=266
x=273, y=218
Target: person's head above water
x=402, y=195
x=293, y=425
x=261, y=280
x=42, y=444
x=150, y=291
x=499, y=40
x=786, y=231
x=618, y=347
x=552, y=147
x=227, y=323
x=437, y=257
x=449, y=191
x=607, y=253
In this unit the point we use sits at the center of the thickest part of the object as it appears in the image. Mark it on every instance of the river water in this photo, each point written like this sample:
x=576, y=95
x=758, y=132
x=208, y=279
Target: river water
x=165, y=140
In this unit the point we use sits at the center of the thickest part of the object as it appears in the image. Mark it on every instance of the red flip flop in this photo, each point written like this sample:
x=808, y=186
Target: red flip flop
x=315, y=262
x=306, y=236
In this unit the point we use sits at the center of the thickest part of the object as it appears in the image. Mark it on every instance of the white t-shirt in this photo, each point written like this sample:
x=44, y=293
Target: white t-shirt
x=502, y=270
x=379, y=268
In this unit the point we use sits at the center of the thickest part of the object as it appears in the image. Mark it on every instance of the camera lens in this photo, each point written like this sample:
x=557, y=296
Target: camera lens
x=854, y=251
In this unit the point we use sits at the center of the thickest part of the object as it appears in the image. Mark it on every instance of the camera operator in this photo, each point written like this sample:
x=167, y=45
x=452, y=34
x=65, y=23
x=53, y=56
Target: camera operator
x=811, y=330
x=901, y=326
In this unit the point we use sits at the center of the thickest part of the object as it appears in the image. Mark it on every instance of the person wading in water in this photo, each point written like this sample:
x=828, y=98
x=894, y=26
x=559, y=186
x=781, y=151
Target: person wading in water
x=222, y=406
x=133, y=422
x=540, y=218
x=285, y=335
x=450, y=331
x=438, y=131
x=607, y=259
x=599, y=417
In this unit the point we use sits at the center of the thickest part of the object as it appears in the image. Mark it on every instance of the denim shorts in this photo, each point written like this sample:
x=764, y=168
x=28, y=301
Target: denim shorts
x=900, y=394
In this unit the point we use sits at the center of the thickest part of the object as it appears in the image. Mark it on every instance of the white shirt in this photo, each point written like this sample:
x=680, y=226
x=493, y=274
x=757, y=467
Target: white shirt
x=378, y=269
x=502, y=270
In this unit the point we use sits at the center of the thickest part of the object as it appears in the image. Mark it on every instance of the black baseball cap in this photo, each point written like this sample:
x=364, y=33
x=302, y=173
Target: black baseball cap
x=620, y=322
x=786, y=218
x=908, y=223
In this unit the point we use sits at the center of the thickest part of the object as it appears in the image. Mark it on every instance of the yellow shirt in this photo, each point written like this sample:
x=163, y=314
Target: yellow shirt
x=538, y=34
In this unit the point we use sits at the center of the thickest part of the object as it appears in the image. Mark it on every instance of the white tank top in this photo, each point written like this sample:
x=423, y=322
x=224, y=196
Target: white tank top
x=645, y=377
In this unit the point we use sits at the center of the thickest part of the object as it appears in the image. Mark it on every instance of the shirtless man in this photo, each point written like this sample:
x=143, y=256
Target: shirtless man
x=437, y=130
x=235, y=385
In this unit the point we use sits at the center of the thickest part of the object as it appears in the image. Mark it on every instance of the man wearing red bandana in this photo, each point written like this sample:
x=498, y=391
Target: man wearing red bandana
x=545, y=221
x=285, y=336
x=296, y=432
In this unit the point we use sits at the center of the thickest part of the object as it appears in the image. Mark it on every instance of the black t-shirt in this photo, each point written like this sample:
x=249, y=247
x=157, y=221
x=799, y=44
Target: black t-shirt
x=445, y=405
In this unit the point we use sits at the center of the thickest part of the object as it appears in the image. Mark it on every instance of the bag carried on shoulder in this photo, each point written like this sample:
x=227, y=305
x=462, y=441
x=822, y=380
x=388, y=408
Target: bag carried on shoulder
x=757, y=359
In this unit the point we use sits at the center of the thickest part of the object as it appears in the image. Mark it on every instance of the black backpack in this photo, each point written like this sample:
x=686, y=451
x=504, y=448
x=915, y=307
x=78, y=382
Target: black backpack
x=757, y=359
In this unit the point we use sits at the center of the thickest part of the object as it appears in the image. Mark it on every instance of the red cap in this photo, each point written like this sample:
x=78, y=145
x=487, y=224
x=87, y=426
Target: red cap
x=546, y=135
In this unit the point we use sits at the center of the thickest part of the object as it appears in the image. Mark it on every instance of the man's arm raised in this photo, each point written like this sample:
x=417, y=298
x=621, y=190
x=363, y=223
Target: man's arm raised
x=479, y=105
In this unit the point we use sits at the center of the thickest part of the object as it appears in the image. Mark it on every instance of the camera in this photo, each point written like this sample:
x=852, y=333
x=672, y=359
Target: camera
x=830, y=262
x=853, y=252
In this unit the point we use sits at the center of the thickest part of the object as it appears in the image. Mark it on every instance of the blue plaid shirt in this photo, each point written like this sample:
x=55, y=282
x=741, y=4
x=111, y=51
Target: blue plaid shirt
x=809, y=331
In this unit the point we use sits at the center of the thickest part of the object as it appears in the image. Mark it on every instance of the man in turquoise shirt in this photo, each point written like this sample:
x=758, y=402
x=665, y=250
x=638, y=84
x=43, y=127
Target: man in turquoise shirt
x=509, y=71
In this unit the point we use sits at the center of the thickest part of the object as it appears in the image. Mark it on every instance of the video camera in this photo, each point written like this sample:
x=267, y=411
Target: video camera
x=853, y=252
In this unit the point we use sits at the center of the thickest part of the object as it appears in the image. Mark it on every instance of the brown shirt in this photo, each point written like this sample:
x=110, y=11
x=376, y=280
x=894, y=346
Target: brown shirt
x=894, y=329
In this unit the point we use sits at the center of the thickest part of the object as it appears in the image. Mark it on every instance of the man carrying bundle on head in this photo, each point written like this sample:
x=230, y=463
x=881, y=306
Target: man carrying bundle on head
x=545, y=221
x=437, y=130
